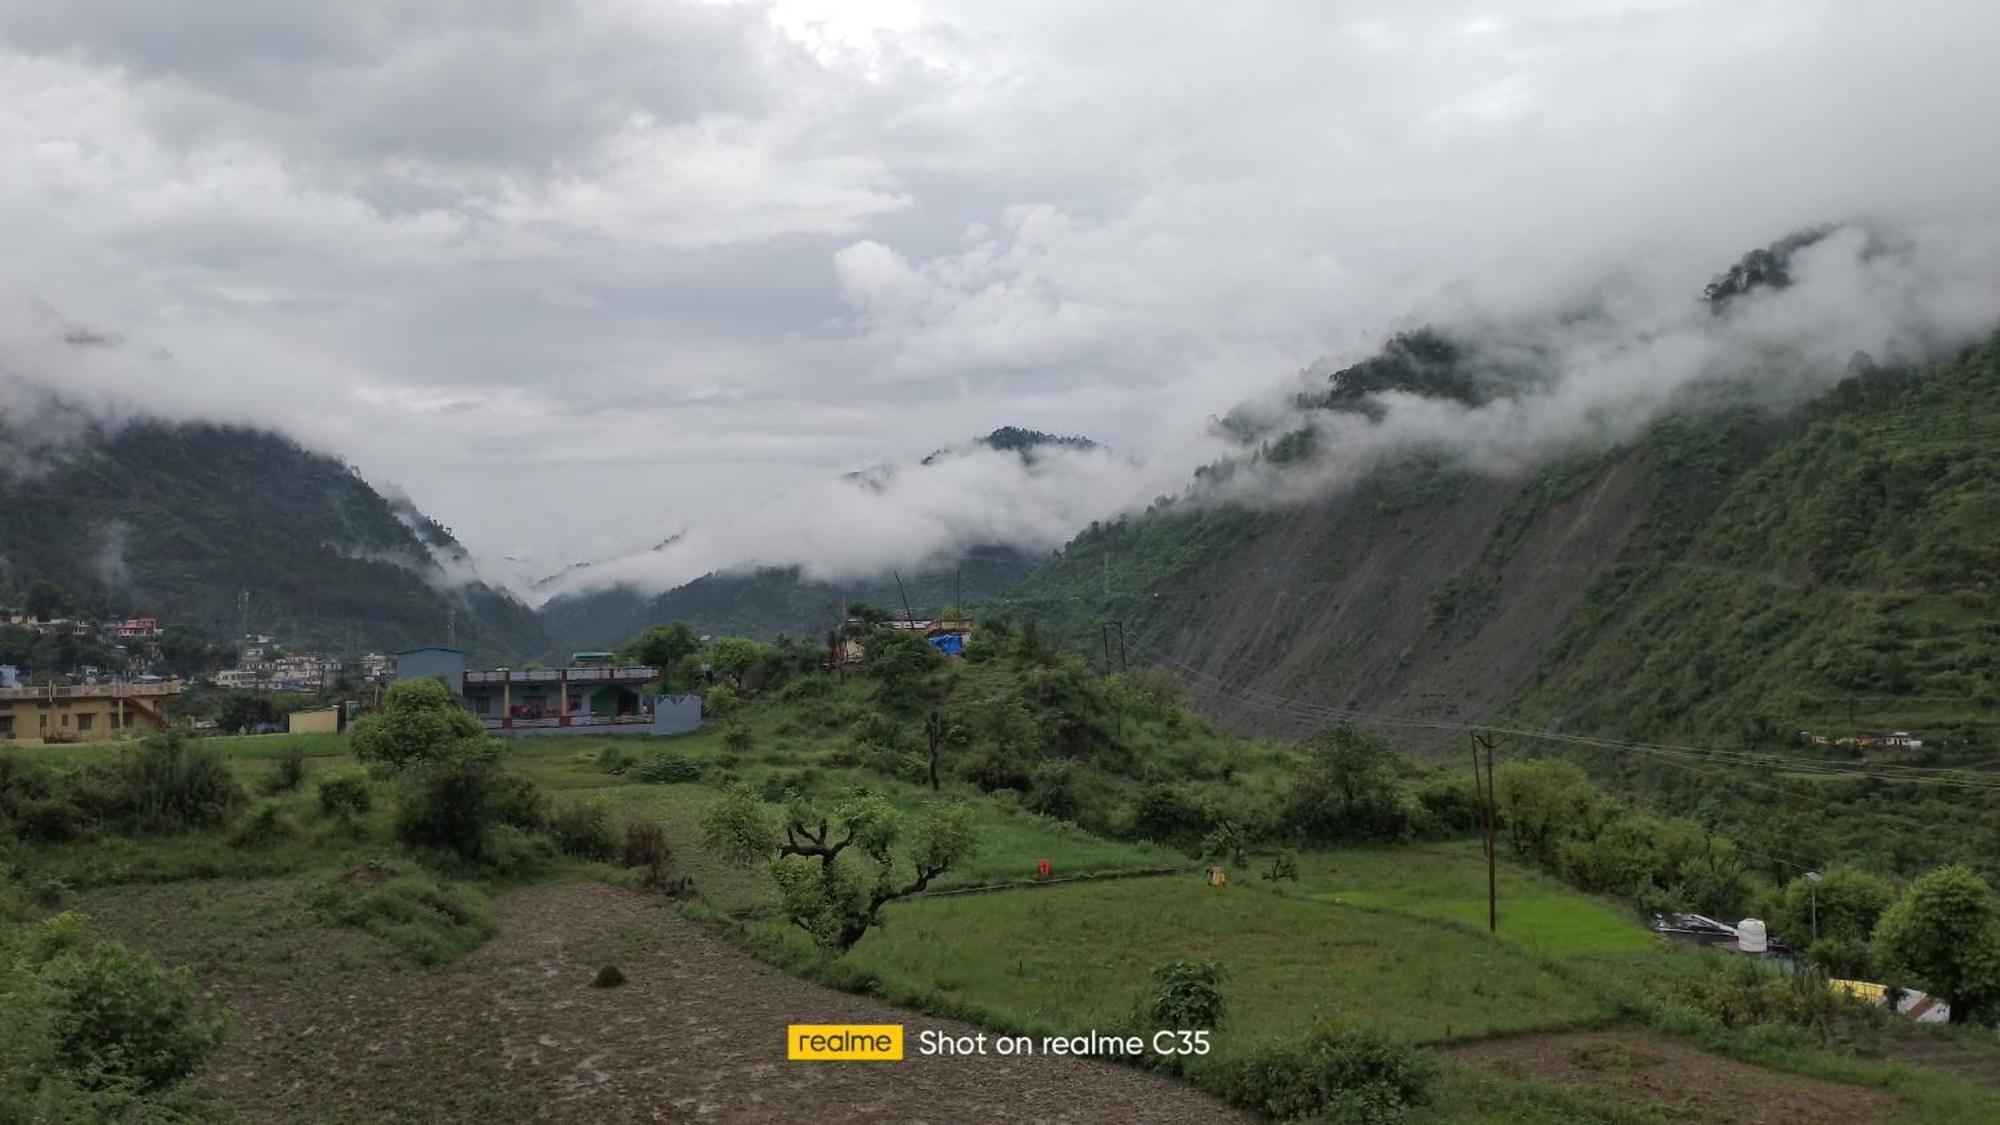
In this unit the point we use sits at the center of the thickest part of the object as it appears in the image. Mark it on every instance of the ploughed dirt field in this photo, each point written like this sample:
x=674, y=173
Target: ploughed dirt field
x=1676, y=1079
x=324, y=1031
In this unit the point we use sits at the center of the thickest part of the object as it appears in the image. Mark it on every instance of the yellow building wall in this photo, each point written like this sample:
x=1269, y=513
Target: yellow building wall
x=323, y=721
x=89, y=719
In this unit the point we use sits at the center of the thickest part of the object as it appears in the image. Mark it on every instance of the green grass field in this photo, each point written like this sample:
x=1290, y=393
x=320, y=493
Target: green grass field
x=1536, y=912
x=1078, y=956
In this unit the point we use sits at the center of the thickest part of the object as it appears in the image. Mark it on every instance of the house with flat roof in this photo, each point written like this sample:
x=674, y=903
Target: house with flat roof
x=83, y=712
x=585, y=698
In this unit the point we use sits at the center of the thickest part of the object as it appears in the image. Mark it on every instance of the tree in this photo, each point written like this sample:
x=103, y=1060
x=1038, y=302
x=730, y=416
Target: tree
x=898, y=661
x=1543, y=801
x=733, y=656
x=1850, y=903
x=1944, y=933
x=421, y=722
x=940, y=732
x=662, y=646
x=1349, y=789
x=823, y=892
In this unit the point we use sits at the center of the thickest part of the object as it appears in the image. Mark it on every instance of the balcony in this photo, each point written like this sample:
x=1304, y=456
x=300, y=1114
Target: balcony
x=631, y=674
x=548, y=722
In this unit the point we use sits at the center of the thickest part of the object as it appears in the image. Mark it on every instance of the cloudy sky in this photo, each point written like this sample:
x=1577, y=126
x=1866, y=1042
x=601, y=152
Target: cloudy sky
x=578, y=275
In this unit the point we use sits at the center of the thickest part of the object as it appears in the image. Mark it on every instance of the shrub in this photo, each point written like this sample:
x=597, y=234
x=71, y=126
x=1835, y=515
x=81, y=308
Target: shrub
x=421, y=722
x=1353, y=1076
x=1170, y=814
x=169, y=782
x=431, y=920
x=667, y=769
x=455, y=804
x=518, y=802
x=112, y=1015
x=646, y=847
x=345, y=793
x=1187, y=996
x=1284, y=865
x=1743, y=995
x=287, y=775
x=737, y=739
x=263, y=827
x=612, y=760
x=583, y=830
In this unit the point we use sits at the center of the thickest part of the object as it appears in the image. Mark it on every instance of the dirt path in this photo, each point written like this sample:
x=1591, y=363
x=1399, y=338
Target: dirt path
x=1676, y=1078
x=514, y=1032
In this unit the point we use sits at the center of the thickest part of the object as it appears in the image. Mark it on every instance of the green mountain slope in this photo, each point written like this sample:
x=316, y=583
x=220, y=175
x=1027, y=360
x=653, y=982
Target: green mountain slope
x=1733, y=570
x=176, y=521
x=770, y=601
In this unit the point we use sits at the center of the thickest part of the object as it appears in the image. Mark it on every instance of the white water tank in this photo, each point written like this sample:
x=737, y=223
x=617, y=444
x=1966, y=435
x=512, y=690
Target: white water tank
x=1751, y=936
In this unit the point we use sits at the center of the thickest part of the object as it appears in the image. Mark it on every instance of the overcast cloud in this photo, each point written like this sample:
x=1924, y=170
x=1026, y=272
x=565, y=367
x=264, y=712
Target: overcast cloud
x=581, y=275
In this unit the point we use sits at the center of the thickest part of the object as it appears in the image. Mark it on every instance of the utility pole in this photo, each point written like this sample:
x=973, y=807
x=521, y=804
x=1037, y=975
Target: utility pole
x=1812, y=884
x=909, y=614
x=1104, y=637
x=1488, y=820
x=1122, y=666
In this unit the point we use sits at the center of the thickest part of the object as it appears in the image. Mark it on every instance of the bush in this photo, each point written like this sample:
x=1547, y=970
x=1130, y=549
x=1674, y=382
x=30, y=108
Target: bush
x=667, y=769
x=612, y=760
x=516, y=801
x=169, y=782
x=1170, y=814
x=738, y=739
x=583, y=830
x=287, y=775
x=1353, y=1076
x=345, y=793
x=266, y=826
x=646, y=847
x=421, y=722
x=455, y=804
x=1187, y=996
x=431, y=920
x=112, y=1016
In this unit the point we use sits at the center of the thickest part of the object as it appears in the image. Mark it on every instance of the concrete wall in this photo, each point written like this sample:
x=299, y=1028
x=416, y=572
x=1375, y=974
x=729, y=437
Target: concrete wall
x=675, y=714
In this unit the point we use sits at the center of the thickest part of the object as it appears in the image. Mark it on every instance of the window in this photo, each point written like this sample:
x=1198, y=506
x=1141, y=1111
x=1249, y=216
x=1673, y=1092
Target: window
x=83, y=722
x=6, y=726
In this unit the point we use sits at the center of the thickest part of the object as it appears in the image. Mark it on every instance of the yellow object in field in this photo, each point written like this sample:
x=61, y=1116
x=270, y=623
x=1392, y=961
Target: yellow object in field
x=1216, y=878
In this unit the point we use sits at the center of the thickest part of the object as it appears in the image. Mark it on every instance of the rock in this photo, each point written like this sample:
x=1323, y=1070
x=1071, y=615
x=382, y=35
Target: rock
x=608, y=977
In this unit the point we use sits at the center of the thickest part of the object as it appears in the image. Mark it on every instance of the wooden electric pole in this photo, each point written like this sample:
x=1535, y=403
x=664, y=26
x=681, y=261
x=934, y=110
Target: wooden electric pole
x=1488, y=828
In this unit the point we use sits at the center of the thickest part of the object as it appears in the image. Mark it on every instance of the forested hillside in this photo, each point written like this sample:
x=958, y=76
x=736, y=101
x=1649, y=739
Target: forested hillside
x=773, y=601
x=177, y=521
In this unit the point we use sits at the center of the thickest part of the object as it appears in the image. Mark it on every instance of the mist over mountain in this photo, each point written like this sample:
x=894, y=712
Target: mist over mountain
x=182, y=521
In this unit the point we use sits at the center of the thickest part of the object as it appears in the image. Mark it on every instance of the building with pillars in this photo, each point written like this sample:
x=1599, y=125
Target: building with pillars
x=590, y=697
x=82, y=712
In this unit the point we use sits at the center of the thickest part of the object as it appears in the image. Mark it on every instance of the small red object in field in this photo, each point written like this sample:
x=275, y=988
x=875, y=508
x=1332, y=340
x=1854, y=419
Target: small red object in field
x=1041, y=869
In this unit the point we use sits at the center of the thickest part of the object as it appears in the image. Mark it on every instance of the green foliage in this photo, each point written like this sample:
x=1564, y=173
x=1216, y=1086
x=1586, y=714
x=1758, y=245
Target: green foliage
x=344, y=793
x=1540, y=802
x=661, y=646
x=1187, y=996
x=287, y=775
x=1336, y=1076
x=1171, y=814
x=203, y=512
x=666, y=769
x=266, y=825
x=1944, y=933
x=899, y=661
x=1348, y=791
x=1744, y=994
x=582, y=829
x=1850, y=902
x=170, y=782
x=420, y=722
x=822, y=888
x=93, y=1027
x=614, y=761
x=431, y=920
x=456, y=803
